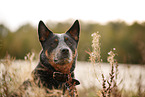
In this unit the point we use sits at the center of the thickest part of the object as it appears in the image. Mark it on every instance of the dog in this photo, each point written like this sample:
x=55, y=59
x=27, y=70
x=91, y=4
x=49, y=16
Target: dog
x=57, y=59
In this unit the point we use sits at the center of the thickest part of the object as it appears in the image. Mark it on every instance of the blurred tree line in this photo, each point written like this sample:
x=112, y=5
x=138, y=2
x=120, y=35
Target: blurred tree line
x=129, y=40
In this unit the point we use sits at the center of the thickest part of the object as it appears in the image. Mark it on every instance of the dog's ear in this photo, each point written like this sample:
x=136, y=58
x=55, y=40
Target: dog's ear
x=74, y=31
x=43, y=32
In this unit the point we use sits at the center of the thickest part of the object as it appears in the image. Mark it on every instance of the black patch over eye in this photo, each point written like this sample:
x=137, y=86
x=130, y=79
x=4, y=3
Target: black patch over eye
x=54, y=43
x=68, y=41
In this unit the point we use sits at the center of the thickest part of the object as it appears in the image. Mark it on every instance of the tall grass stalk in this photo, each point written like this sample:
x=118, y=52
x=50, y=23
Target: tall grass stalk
x=95, y=56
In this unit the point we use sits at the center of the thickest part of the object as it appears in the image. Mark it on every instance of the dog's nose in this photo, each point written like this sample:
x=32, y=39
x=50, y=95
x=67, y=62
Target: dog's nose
x=64, y=51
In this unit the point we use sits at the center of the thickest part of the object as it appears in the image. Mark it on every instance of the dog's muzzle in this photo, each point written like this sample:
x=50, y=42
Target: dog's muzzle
x=63, y=56
x=64, y=53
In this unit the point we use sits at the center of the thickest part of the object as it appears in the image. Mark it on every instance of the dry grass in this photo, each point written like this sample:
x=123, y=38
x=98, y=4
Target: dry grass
x=12, y=75
x=109, y=84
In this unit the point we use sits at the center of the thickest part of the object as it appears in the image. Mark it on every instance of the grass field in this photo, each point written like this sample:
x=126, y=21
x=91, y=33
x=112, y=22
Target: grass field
x=131, y=78
x=130, y=81
x=97, y=79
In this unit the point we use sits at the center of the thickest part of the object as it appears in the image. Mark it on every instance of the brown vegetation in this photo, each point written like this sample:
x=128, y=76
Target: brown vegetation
x=129, y=40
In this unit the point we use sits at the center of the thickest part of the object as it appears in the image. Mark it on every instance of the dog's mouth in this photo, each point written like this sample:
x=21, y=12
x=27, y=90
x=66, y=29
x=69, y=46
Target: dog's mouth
x=62, y=61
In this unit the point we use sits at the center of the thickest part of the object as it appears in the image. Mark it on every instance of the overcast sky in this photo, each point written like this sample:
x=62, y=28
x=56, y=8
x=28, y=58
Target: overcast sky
x=14, y=13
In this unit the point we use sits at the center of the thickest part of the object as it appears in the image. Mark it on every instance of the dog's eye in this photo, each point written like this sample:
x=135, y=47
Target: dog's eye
x=68, y=41
x=54, y=43
x=70, y=44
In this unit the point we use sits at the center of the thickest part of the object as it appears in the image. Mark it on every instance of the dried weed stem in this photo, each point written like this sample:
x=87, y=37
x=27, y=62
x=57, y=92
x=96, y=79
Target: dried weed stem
x=107, y=84
x=95, y=54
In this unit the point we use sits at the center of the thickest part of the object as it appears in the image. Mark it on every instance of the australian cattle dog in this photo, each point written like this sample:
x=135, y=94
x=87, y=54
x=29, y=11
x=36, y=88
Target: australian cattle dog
x=57, y=59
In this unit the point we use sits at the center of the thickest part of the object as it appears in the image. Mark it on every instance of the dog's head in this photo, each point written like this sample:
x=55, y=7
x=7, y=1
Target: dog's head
x=60, y=49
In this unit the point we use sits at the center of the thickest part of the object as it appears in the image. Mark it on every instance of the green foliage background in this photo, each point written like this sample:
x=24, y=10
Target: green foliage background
x=129, y=40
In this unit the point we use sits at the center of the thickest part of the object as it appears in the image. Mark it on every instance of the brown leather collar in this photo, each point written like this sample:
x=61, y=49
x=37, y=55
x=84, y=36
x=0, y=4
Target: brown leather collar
x=56, y=75
x=66, y=78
